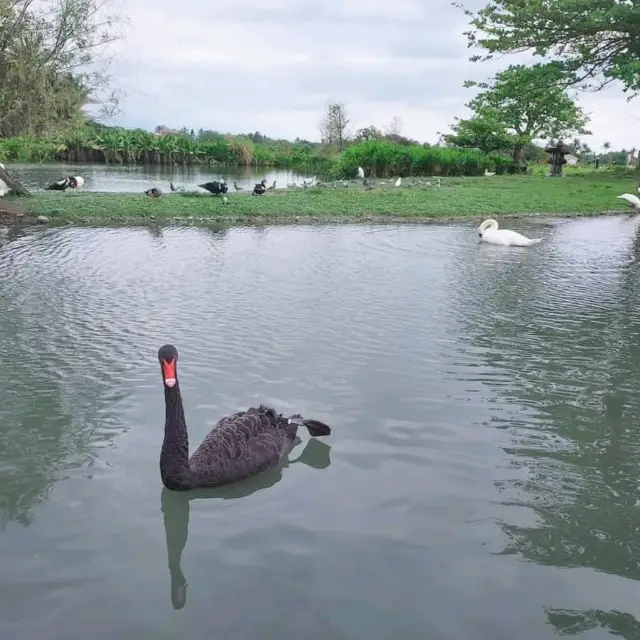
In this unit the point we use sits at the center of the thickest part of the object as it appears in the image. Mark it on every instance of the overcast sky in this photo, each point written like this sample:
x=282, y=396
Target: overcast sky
x=247, y=65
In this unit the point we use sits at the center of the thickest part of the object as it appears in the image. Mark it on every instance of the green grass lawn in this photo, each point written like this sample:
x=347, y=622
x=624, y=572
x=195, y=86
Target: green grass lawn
x=578, y=193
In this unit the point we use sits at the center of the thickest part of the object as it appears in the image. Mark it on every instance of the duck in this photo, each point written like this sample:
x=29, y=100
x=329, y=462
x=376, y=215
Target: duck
x=154, y=192
x=216, y=187
x=260, y=188
x=631, y=199
x=489, y=174
x=489, y=232
x=70, y=182
x=59, y=185
x=361, y=173
x=239, y=446
x=398, y=182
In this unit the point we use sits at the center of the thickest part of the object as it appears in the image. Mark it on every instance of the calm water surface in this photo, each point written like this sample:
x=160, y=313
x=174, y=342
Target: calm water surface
x=99, y=177
x=482, y=481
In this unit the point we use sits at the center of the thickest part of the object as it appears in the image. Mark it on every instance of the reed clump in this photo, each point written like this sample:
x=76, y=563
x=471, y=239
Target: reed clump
x=383, y=158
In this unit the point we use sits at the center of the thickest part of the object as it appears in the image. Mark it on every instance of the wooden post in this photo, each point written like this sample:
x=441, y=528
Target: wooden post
x=16, y=188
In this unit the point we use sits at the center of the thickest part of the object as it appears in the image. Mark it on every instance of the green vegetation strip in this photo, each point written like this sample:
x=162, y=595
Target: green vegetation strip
x=581, y=194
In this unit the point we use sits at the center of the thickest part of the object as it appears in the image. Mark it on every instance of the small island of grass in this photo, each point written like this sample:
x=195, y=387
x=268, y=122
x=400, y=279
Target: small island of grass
x=579, y=193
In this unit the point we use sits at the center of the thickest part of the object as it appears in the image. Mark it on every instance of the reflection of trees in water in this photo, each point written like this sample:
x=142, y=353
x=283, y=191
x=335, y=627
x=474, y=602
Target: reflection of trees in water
x=569, y=622
x=567, y=352
x=175, y=507
x=48, y=400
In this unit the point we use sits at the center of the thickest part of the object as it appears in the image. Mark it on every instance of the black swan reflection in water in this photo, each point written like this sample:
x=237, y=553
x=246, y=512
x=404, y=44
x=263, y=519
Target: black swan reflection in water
x=175, y=508
x=239, y=446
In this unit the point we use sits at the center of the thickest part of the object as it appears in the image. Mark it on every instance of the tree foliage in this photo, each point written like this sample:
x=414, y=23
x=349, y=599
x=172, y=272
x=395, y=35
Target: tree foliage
x=593, y=41
x=52, y=64
x=334, y=125
x=529, y=103
x=482, y=132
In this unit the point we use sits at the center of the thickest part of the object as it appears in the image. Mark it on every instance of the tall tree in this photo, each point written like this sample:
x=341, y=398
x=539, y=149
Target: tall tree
x=595, y=41
x=334, y=125
x=529, y=103
x=394, y=128
x=483, y=131
x=52, y=63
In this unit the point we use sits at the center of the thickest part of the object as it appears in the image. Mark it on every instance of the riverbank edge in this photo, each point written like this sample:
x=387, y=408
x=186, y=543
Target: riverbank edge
x=53, y=211
x=260, y=221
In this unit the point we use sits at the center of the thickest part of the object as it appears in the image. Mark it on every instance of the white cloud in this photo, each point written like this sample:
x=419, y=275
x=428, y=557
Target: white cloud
x=246, y=65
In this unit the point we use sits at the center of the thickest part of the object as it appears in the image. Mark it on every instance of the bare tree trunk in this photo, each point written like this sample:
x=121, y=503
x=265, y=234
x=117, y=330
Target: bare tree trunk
x=13, y=184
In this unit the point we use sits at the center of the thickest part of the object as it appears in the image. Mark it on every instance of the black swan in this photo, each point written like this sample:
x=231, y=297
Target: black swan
x=154, y=192
x=215, y=187
x=239, y=446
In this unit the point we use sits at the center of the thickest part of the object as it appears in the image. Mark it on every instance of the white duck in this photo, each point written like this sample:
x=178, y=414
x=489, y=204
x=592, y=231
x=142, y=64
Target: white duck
x=632, y=200
x=361, y=173
x=489, y=232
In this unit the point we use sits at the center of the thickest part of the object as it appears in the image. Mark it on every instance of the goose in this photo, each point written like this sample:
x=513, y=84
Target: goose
x=398, y=182
x=489, y=232
x=272, y=187
x=236, y=187
x=216, y=187
x=361, y=173
x=488, y=175
x=239, y=446
x=76, y=182
x=631, y=199
x=154, y=192
x=260, y=188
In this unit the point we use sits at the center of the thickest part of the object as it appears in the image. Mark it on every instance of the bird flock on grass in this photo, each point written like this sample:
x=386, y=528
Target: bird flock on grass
x=220, y=187
x=488, y=231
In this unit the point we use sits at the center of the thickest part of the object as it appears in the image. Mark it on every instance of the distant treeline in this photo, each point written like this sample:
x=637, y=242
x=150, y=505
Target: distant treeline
x=379, y=156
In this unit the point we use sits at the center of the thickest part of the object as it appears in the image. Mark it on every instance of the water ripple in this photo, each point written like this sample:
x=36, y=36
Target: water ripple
x=483, y=401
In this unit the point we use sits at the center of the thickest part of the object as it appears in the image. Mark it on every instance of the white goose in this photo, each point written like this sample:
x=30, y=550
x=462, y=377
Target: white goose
x=631, y=199
x=489, y=232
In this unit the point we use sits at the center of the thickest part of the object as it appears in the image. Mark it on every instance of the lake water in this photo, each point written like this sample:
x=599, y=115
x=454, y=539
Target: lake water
x=481, y=482
x=100, y=177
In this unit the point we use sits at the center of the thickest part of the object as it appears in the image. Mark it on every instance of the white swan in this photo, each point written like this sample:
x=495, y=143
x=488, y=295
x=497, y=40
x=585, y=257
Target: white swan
x=489, y=232
x=631, y=199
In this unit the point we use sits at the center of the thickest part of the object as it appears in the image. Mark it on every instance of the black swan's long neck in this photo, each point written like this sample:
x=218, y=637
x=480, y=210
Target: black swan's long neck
x=174, y=457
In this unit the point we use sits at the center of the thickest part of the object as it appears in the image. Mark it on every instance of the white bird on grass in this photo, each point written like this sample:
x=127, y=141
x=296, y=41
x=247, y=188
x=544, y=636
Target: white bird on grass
x=360, y=173
x=489, y=232
x=488, y=175
x=398, y=182
x=631, y=199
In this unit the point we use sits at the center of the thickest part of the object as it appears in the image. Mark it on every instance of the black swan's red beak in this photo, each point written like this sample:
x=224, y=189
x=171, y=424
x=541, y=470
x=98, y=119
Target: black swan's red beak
x=169, y=372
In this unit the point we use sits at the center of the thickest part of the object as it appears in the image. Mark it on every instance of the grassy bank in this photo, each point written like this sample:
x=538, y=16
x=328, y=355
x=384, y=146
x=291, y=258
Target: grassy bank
x=582, y=194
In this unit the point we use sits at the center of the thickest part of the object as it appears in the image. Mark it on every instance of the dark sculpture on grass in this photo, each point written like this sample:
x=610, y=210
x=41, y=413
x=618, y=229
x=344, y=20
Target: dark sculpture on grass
x=558, y=152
